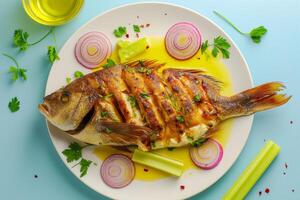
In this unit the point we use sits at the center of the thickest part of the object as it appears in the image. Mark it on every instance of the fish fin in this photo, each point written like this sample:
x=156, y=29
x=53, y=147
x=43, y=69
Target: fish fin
x=125, y=134
x=152, y=64
x=257, y=99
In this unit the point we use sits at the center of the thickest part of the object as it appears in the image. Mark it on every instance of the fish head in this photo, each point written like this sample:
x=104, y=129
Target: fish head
x=69, y=106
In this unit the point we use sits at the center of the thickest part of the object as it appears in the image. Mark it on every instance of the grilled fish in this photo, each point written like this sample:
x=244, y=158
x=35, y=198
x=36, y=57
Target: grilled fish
x=135, y=104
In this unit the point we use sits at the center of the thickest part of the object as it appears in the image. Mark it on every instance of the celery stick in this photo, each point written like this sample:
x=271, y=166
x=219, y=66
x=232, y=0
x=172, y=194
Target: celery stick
x=253, y=172
x=159, y=162
x=129, y=51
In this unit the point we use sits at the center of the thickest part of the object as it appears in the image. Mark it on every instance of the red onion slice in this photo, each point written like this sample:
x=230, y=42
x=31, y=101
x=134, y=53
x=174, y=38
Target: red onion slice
x=208, y=155
x=183, y=40
x=117, y=171
x=92, y=49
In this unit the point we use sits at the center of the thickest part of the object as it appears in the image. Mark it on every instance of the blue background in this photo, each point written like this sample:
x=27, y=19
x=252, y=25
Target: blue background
x=26, y=148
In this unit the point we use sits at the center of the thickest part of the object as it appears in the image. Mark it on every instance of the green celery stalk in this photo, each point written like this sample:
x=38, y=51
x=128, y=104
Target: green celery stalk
x=253, y=172
x=159, y=162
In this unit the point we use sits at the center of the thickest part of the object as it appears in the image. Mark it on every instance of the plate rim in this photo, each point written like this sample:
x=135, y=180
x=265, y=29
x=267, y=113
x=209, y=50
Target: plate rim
x=250, y=117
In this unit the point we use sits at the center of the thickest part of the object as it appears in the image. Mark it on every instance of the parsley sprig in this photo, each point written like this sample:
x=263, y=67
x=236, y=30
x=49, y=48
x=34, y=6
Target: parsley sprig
x=136, y=28
x=74, y=153
x=16, y=71
x=220, y=45
x=52, y=54
x=109, y=63
x=255, y=34
x=120, y=31
x=20, y=39
x=14, y=104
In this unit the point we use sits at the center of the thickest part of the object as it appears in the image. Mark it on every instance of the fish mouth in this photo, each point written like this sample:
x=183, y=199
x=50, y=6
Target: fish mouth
x=84, y=122
x=44, y=109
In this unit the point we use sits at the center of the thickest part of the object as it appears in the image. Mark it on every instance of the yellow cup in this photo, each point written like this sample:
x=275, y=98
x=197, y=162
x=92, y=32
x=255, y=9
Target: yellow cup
x=52, y=12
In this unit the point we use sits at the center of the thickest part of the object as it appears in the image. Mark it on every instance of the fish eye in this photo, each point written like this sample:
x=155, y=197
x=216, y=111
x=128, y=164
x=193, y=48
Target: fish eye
x=65, y=97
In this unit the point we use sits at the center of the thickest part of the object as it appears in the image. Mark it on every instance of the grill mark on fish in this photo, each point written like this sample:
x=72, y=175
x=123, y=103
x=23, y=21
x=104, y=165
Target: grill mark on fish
x=136, y=85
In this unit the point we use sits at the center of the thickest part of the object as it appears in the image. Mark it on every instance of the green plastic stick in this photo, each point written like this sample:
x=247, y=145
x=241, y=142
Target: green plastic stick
x=253, y=172
x=158, y=162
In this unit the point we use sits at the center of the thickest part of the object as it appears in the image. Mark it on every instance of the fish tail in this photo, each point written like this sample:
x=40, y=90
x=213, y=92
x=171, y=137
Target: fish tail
x=257, y=99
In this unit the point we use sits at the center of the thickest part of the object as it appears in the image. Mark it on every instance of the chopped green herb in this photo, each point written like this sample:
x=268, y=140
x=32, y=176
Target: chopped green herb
x=109, y=63
x=220, y=45
x=107, y=130
x=136, y=28
x=68, y=80
x=198, y=142
x=106, y=97
x=143, y=70
x=180, y=119
x=120, y=31
x=14, y=104
x=171, y=148
x=84, y=166
x=78, y=74
x=73, y=152
x=255, y=34
x=104, y=114
x=16, y=71
x=144, y=95
x=20, y=39
x=132, y=101
x=153, y=144
x=52, y=54
x=197, y=98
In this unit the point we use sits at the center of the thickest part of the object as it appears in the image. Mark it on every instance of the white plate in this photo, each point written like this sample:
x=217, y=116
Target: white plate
x=154, y=13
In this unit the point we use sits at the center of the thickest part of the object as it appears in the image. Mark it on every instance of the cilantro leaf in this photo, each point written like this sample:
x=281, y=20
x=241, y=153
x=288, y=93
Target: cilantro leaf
x=120, y=31
x=20, y=39
x=73, y=152
x=132, y=101
x=180, y=118
x=78, y=74
x=221, y=45
x=68, y=80
x=204, y=46
x=257, y=33
x=104, y=114
x=16, y=71
x=197, y=98
x=136, y=28
x=52, y=54
x=198, y=142
x=144, y=95
x=14, y=104
x=84, y=166
x=109, y=63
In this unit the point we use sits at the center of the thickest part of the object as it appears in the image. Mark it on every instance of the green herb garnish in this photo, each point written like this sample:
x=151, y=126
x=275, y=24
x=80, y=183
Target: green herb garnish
x=109, y=63
x=104, y=114
x=132, y=101
x=220, y=45
x=180, y=118
x=68, y=80
x=16, y=71
x=136, y=28
x=20, y=39
x=52, y=54
x=78, y=74
x=120, y=31
x=144, y=95
x=14, y=104
x=106, y=97
x=73, y=152
x=197, y=98
x=84, y=166
x=255, y=34
x=107, y=130
x=198, y=142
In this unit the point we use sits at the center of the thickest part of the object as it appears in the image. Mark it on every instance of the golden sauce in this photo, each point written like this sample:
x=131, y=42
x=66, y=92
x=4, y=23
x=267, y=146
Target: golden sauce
x=212, y=66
